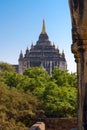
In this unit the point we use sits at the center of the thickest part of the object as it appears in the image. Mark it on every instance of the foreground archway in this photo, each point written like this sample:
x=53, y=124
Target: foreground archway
x=78, y=9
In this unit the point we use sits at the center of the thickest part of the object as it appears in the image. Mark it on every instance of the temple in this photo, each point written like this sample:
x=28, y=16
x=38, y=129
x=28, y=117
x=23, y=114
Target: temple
x=42, y=54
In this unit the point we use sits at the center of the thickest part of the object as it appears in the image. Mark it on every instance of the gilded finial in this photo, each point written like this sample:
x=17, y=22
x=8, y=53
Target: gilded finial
x=43, y=27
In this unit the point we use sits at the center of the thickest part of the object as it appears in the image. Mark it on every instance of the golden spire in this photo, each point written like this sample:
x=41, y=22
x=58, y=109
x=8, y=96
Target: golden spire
x=43, y=27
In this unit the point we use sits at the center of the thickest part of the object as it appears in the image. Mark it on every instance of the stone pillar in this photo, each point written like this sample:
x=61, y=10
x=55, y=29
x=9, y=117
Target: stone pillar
x=78, y=9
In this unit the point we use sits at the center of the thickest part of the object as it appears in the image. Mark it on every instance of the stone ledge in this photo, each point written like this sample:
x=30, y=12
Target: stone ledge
x=38, y=126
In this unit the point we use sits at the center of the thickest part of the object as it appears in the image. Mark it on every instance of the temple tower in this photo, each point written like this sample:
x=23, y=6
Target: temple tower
x=43, y=54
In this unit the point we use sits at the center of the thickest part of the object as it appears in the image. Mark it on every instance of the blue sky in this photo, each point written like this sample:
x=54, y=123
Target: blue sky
x=21, y=24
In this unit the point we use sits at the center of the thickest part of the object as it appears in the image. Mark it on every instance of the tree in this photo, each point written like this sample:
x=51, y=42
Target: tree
x=11, y=78
x=57, y=94
x=35, y=72
x=38, y=80
x=62, y=78
x=6, y=67
x=16, y=107
x=72, y=79
x=60, y=101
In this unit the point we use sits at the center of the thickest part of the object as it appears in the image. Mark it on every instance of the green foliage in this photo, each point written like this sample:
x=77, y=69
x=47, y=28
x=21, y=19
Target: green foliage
x=13, y=79
x=6, y=67
x=56, y=94
x=12, y=125
x=16, y=106
x=63, y=78
x=72, y=80
x=38, y=80
x=34, y=72
x=60, y=101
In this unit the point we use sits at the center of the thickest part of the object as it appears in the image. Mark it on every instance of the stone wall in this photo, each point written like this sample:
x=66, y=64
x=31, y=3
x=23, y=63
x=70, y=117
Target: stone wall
x=60, y=123
x=55, y=124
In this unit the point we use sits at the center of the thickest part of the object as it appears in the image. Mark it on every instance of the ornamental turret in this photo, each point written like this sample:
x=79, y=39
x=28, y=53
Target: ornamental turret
x=20, y=60
x=27, y=52
x=63, y=54
x=21, y=55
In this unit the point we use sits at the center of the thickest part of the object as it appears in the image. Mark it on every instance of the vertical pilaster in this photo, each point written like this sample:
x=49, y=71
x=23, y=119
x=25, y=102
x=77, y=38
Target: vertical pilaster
x=78, y=54
x=80, y=82
x=78, y=10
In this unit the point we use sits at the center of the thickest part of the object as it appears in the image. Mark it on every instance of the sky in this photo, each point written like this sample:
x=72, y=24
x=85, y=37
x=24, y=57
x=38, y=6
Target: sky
x=21, y=25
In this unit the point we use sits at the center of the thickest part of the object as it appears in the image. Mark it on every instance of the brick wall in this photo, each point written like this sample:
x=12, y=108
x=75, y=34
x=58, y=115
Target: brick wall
x=60, y=123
